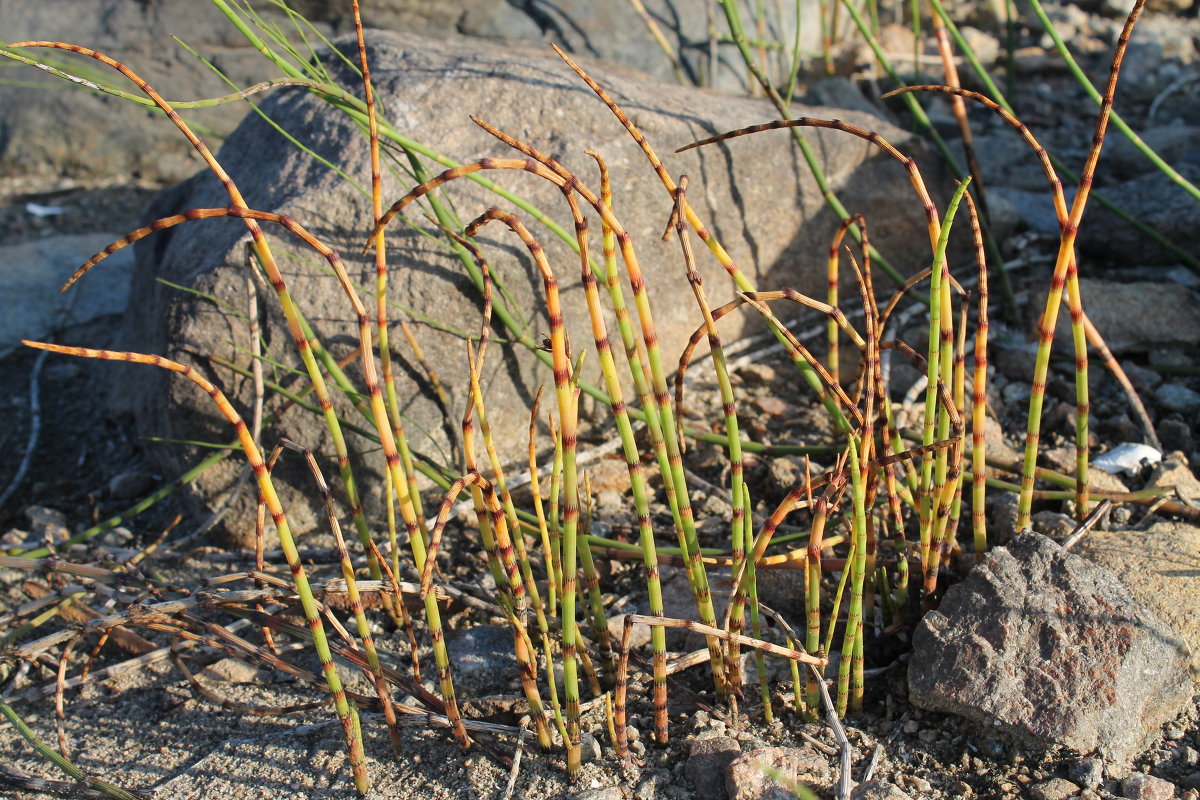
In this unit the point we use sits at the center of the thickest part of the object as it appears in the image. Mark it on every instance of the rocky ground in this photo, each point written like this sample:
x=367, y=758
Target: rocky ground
x=149, y=730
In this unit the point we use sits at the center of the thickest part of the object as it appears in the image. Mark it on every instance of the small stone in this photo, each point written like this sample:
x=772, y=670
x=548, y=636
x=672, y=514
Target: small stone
x=745, y=778
x=1191, y=781
x=918, y=784
x=1053, y=524
x=1173, y=732
x=230, y=670
x=1176, y=434
x=1088, y=773
x=589, y=747
x=757, y=374
x=62, y=372
x=928, y=735
x=1141, y=786
x=1139, y=376
x=131, y=484
x=1053, y=789
x=911, y=727
x=878, y=790
x=1174, y=397
x=1190, y=756
x=602, y=793
x=708, y=760
x=47, y=523
x=778, y=407
x=1016, y=393
x=117, y=537
x=961, y=789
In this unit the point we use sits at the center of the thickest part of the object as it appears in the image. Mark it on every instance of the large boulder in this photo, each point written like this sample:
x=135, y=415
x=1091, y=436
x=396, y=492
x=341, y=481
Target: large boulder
x=1053, y=650
x=756, y=195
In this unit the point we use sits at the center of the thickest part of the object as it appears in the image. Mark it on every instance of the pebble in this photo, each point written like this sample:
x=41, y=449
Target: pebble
x=918, y=784
x=877, y=790
x=1087, y=773
x=117, y=537
x=1141, y=377
x=757, y=374
x=1053, y=789
x=1173, y=732
x=1174, y=397
x=590, y=748
x=1141, y=786
x=603, y=793
x=929, y=735
x=1017, y=392
x=129, y=485
x=47, y=523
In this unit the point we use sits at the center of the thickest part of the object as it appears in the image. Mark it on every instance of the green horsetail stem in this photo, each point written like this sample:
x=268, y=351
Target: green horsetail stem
x=733, y=17
x=985, y=78
x=674, y=468
x=356, y=605
x=259, y=242
x=633, y=462
x=852, y=645
x=979, y=400
x=570, y=500
x=347, y=713
x=729, y=410
x=1062, y=268
x=937, y=500
x=669, y=464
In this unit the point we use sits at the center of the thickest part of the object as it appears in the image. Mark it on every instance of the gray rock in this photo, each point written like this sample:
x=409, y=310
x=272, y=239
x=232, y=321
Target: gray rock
x=1016, y=393
x=128, y=485
x=1053, y=789
x=1051, y=649
x=1156, y=201
x=1140, y=786
x=67, y=132
x=1174, y=397
x=707, y=762
x=601, y=793
x=589, y=748
x=768, y=226
x=1135, y=316
x=877, y=790
x=1053, y=524
x=1175, y=143
x=1087, y=773
x=483, y=658
x=1174, y=473
x=1159, y=566
x=32, y=272
x=1139, y=376
x=119, y=139
x=746, y=779
x=46, y=524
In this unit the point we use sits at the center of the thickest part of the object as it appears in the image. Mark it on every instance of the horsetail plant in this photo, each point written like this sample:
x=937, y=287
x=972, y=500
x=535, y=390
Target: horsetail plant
x=857, y=506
